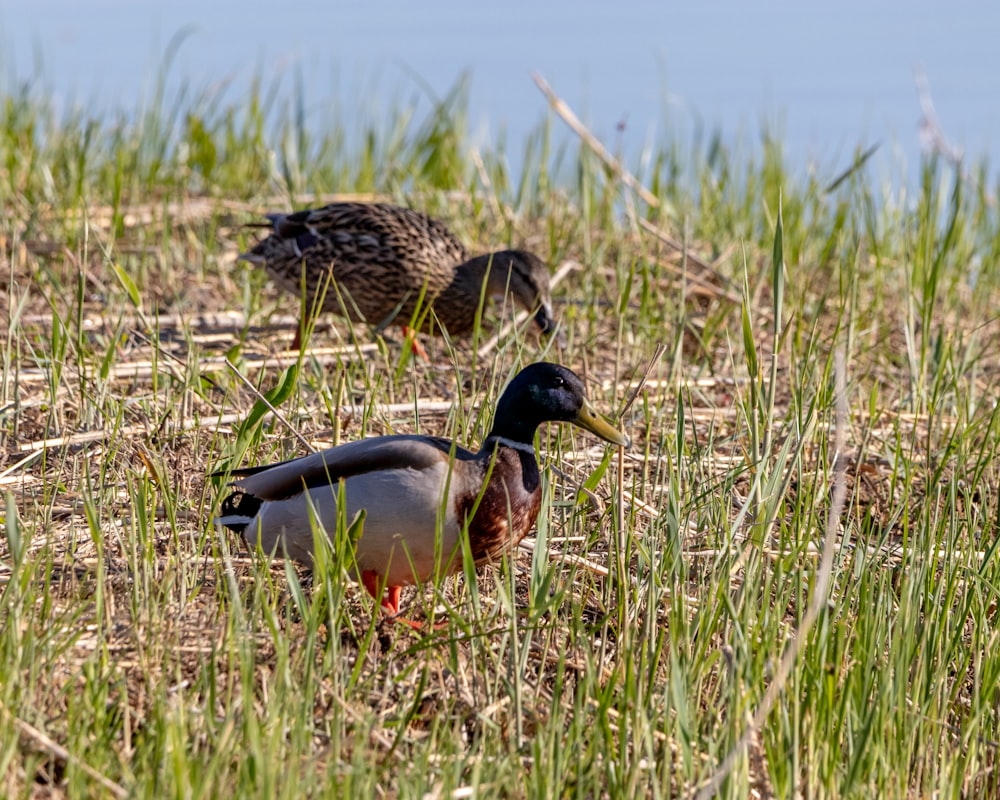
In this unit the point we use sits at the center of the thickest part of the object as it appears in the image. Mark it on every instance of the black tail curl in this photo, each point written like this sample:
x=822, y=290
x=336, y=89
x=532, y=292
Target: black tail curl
x=242, y=507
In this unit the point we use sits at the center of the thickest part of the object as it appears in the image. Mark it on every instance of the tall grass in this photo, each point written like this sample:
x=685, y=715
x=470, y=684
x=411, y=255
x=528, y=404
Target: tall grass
x=145, y=653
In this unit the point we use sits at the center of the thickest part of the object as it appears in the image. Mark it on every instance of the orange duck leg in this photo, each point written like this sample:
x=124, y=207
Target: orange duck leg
x=389, y=598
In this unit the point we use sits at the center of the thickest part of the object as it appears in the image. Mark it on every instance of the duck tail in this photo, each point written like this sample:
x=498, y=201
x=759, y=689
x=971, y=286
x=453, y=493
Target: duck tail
x=238, y=511
x=274, y=221
x=251, y=257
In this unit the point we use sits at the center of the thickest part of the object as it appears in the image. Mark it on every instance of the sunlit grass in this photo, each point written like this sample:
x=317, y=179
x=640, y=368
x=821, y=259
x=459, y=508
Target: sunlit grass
x=144, y=651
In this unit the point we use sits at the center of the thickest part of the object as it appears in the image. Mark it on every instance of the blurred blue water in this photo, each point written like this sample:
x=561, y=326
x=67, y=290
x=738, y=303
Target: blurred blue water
x=826, y=78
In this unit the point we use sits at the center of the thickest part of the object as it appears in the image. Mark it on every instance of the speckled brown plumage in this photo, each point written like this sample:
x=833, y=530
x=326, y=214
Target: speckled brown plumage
x=420, y=494
x=384, y=260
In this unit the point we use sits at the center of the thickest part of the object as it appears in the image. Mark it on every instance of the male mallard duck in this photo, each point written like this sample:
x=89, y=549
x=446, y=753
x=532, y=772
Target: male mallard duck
x=385, y=259
x=418, y=491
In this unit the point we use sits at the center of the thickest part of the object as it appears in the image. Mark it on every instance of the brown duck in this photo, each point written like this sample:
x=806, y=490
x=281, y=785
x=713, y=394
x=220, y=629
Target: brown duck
x=421, y=494
x=385, y=261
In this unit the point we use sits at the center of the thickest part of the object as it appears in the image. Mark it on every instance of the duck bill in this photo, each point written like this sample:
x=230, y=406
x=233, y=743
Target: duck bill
x=544, y=320
x=546, y=324
x=589, y=420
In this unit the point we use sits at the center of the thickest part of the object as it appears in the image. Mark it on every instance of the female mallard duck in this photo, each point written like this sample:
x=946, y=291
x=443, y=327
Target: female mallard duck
x=420, y=493
x=385, y=260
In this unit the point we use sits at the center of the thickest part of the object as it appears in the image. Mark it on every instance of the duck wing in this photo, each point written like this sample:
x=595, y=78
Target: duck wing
x=361, y=235
x=382, y=453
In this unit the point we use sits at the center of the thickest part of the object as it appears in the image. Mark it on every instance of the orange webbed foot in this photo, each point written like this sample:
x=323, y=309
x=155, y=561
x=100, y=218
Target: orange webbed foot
x=371, y=580
x=415, y=346
x=389, y=599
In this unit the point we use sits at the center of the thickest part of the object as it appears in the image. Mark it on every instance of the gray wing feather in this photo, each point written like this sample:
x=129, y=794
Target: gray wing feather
x=355, y=458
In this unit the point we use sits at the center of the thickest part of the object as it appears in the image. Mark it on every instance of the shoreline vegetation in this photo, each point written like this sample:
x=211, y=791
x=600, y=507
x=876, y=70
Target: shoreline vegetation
x=787, y=586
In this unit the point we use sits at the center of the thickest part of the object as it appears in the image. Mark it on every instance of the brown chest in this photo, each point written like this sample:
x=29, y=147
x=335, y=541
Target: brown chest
x=507, y=507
